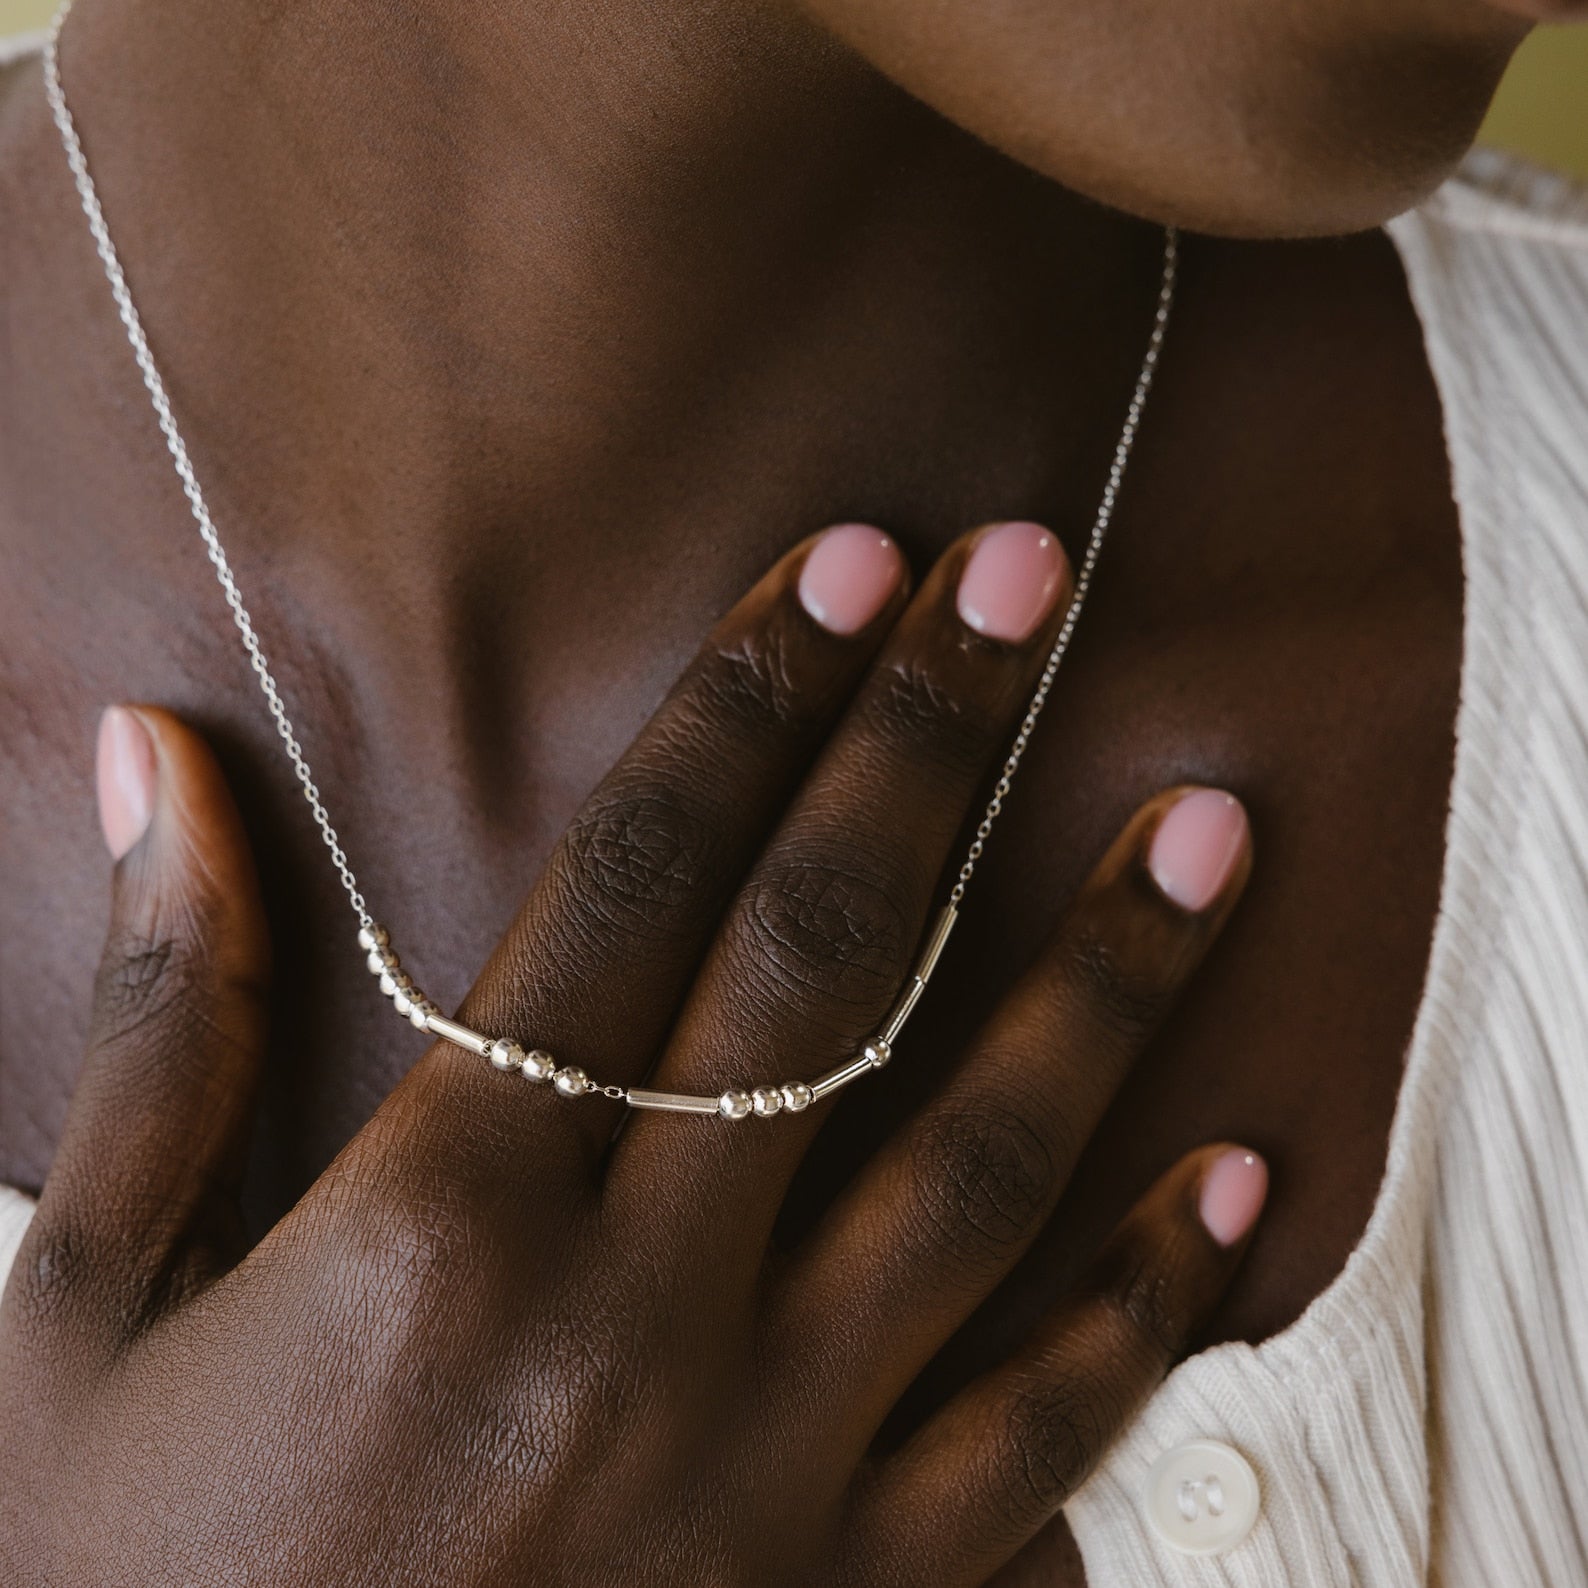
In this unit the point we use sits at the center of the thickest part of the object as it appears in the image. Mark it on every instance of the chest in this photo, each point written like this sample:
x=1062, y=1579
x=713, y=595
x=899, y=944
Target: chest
x=1279, y=613
x=1331, y=715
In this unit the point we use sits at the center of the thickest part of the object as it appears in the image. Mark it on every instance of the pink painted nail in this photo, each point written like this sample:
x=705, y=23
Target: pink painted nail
x=849, y=576
x=1197, y=845
x=1012, y=581
x=1233, y=1192
x=125, y=775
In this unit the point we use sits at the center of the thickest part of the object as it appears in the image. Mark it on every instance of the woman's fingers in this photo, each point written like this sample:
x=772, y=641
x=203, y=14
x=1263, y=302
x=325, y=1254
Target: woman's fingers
x=821, y=936
x=140, y=1202
x=594, y=967
x=989, y=1470
x=940, y=1216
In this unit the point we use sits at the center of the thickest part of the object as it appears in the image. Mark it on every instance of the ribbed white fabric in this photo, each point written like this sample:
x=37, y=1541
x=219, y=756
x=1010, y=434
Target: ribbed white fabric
x=1426, y=1420
x=15, y=1212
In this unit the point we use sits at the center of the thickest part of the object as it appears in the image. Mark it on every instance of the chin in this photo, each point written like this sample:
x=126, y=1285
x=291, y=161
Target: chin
x=1265, y=179
x=1323, y=153
x=1214, y=116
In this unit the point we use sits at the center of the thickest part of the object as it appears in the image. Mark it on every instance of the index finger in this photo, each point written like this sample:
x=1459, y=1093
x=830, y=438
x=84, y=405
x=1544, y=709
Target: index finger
x=590, y=973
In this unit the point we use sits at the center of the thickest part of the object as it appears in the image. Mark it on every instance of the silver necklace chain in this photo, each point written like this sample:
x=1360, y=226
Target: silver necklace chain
x=503, y=1052
x=155, y=386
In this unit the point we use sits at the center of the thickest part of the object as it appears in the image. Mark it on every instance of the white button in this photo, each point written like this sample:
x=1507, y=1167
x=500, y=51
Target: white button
x=1202, y=1497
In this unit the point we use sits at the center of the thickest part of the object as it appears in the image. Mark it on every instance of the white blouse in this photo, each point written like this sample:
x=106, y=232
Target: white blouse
x=1426, y=1419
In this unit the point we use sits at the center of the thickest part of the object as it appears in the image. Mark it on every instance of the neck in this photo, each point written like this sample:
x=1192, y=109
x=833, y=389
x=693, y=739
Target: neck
x=444, y=275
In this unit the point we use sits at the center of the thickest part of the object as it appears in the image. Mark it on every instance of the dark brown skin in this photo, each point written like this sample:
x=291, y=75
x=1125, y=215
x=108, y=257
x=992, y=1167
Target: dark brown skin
x=457, y=1360
x=495, y=439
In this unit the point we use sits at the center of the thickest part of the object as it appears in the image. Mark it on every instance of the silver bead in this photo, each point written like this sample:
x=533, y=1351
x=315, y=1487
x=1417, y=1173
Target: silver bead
x=388, y=983
x=372, y=937
x=572, y=1081
x=538, y=1065
x=505, y=1054
x=766, y=1101
x=879, y=1052
x=375, y=960
x=401, y=1001
x=734, y=1104
x=796, y=1097
x=419, y=1015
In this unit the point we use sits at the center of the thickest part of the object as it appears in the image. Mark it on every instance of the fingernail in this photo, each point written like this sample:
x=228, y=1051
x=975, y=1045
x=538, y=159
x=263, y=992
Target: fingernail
x=1196, y=847
x=1233, y=1192
x=849, y=576
x=125, y=776
x=1012, y=581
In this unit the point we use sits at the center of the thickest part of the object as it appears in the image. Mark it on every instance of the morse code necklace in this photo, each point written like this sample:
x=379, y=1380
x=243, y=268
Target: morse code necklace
x=503, y=1052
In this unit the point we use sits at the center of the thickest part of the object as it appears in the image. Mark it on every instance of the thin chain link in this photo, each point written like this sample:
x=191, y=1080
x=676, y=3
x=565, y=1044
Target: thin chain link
x=177, y=447
x=184, y=466
x=1083, y=579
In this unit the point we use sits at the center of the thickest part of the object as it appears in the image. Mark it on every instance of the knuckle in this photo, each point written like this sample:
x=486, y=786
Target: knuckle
x=156, y=1001
x=592, y=1380
x=608, y=1360
x=1054, y=1430
x=144, y=975
x=635, y=854
x=53, y=1267
x=1147, y=1305
x=752, y=682
x=1126, y=1003
x=911, y=707
x=105, y=1276
x=406, y=1254
x=986, y=1179
x=811, y=926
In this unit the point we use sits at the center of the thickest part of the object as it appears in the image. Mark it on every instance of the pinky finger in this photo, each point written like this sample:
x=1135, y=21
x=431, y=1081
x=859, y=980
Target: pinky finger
x=1000, y=1460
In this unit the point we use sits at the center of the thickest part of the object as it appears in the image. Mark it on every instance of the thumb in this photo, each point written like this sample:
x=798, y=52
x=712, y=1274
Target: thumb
x=141, y=1197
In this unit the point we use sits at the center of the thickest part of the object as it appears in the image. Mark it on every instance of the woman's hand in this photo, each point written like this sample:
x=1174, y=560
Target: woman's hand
x=495, y=1343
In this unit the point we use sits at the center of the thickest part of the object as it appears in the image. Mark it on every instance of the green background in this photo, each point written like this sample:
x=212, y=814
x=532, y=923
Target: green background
x=1542, y=109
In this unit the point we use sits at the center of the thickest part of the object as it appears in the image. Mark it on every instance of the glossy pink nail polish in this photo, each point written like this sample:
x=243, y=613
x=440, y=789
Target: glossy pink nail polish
x=1197, y=845
x=849, y=576
x=1012, y=581
x=1233, y=1192
x=124, y=774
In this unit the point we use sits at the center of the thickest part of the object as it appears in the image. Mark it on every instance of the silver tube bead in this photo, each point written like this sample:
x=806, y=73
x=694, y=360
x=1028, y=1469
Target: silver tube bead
x=459, y=1034
x=902, y=1010
x=931, y=953
x=936, y=942
x=672, y=1102
x=829, y=1083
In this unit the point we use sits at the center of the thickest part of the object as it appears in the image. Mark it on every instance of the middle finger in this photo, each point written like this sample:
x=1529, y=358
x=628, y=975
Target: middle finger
x=815, y=948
